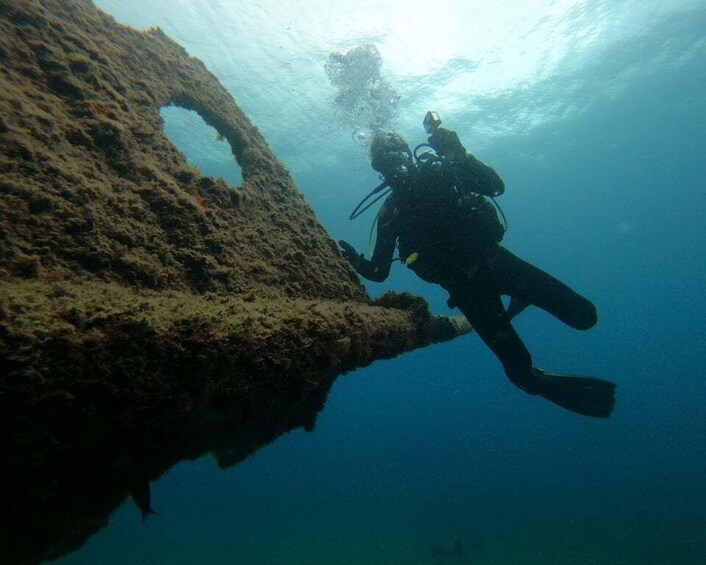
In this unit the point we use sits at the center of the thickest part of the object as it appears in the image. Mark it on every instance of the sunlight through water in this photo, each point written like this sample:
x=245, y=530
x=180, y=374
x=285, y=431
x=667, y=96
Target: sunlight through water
x=501, y=68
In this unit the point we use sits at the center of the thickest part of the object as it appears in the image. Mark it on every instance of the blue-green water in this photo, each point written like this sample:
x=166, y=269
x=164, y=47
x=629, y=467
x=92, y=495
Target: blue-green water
x=594, y=114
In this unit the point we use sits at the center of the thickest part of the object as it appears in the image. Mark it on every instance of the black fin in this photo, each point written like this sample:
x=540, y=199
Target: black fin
x=587, y=396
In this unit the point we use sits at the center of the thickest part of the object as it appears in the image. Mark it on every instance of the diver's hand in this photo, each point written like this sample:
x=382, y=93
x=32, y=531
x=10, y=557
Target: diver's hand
x=350, y=254
x=447, y=143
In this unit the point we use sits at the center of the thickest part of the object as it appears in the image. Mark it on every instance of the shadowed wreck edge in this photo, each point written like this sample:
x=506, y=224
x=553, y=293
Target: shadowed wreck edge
x=148, y=313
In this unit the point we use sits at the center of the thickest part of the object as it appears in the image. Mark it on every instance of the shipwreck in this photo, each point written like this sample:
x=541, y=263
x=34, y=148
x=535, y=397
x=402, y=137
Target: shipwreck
x=149, y=313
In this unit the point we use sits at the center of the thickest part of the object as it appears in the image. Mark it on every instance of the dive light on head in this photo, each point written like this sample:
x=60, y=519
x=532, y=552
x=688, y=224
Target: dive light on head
x=431, y=122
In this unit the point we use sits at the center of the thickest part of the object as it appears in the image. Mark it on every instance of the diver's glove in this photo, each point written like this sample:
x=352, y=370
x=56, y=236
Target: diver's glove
x=446, y=142
x=350, y=254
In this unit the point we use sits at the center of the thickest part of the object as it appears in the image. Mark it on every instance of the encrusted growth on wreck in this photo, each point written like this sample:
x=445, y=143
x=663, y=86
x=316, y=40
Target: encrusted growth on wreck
x=149, y=313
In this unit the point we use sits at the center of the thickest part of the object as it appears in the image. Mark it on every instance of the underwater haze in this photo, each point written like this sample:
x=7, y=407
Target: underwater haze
x=594, y=114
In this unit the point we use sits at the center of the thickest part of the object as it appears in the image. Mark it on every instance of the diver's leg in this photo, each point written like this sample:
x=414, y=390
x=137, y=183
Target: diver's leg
x=584, y=395
x=516, y=307
x=486, y=314
x=525, y=282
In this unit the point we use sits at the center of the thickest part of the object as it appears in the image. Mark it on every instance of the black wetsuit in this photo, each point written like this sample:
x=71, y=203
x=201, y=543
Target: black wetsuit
x=461, y=252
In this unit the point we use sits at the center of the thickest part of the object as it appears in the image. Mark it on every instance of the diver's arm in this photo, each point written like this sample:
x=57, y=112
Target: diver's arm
x=468, y=172
x=378, y=267
x=475, y=176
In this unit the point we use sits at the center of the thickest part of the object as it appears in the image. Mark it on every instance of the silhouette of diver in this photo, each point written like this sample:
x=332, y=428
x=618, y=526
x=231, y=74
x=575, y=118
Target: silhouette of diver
x=438, y=216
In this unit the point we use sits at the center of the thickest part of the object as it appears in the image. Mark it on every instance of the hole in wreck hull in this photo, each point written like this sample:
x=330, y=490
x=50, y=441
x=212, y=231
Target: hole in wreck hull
x=204, y=147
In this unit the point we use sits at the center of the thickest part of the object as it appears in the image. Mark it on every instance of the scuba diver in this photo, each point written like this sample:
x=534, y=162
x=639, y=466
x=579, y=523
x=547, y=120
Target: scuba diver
x=439, y=216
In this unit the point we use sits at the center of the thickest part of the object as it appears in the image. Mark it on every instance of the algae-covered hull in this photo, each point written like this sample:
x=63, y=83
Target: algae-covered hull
x=149, y=313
